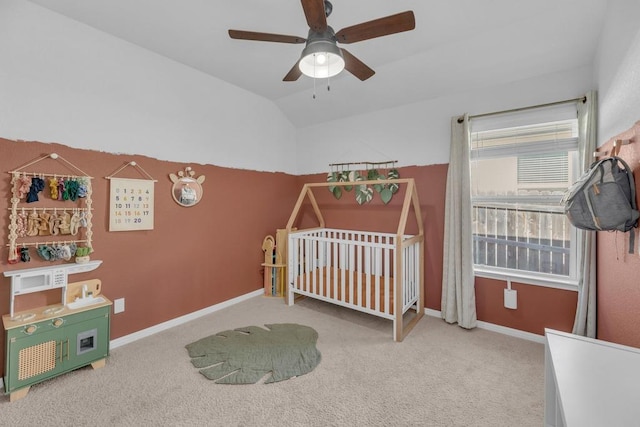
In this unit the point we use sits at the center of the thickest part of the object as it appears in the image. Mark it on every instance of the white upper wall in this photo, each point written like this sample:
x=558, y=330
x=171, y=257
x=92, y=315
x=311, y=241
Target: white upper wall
x=64, y=82
x=419, y=133
x=618, y=69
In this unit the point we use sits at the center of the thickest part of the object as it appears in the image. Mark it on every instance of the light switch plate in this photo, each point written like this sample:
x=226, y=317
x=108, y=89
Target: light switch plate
x=118, y=305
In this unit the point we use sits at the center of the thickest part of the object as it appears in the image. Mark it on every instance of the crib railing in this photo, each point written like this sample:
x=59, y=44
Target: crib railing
x=411, y=275
x=355, y=269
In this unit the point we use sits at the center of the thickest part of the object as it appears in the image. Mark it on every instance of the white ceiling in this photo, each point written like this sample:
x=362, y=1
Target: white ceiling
x=456, y=46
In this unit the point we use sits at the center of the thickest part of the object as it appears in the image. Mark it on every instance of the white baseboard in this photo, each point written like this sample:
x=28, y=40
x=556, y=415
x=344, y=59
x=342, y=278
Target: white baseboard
x=496, y=328
x=180, y=320
x=212, y=309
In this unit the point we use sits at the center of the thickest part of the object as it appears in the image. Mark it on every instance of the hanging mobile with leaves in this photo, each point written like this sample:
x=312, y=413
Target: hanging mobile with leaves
x=390, y=189
x=364, y=193
x=334, y=189
x=339, y=175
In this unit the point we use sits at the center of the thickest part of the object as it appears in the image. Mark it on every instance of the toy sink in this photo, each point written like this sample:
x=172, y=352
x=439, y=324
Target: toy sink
x=84, y=302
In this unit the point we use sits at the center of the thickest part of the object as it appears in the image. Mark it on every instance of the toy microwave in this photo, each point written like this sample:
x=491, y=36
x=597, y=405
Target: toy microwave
x=38, y=279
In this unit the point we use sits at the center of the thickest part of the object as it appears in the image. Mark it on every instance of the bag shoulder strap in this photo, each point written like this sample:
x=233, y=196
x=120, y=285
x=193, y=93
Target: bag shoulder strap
x=632, y=185
x=632, y=194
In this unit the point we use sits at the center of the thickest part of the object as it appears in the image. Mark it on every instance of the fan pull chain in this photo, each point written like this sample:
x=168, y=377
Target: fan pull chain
x=314, y=73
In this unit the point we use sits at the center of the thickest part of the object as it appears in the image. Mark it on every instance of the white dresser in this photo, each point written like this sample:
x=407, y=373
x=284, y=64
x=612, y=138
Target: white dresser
x=590, y=382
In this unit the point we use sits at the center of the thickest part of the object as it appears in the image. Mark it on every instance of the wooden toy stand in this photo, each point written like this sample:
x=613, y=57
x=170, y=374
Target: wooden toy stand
x=275, y=267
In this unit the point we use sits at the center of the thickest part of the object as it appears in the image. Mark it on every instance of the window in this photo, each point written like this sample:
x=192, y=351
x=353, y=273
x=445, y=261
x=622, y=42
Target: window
x=519, y=173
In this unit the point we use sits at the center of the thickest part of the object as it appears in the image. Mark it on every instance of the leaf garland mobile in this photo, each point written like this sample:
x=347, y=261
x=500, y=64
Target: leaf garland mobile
x=338, y=176
x=364, y=193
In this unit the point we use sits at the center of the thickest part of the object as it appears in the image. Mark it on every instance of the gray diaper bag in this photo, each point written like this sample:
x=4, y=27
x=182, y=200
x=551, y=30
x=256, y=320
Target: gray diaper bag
x=604, y=198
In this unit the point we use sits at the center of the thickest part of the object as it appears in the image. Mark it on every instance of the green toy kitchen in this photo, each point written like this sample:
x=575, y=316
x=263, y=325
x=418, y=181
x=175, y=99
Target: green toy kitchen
x=43, y=342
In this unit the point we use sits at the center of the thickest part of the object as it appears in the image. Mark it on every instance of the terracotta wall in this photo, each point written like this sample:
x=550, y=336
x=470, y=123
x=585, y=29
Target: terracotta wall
x=538, y=307
x=193, y=258
x=200, y=256
x=618, y=271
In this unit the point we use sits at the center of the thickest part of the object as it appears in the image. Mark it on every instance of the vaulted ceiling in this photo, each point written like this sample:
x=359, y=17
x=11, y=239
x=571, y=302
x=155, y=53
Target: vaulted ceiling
x=456, y=45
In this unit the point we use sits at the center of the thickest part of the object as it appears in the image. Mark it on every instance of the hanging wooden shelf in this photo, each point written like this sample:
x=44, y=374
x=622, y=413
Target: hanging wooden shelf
x=48, y=239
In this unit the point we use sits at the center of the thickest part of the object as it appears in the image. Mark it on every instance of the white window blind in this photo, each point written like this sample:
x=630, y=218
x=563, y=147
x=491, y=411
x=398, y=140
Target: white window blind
x=540, y=138
x=550, y=168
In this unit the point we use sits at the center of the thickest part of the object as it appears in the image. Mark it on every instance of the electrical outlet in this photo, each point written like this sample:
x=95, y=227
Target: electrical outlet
x=118, y=306
x=511, y=299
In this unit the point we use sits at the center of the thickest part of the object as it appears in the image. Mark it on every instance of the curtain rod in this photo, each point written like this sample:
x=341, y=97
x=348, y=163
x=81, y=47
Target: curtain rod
x=513, y=110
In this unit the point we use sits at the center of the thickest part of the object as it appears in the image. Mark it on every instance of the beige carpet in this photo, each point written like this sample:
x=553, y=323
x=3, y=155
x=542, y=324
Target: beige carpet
x=441, y=375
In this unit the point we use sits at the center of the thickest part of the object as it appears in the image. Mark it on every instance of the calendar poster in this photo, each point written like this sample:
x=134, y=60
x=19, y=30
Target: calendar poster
x=131, y=204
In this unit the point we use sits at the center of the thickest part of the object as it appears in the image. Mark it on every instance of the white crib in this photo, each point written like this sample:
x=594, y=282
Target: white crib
x=375, y=273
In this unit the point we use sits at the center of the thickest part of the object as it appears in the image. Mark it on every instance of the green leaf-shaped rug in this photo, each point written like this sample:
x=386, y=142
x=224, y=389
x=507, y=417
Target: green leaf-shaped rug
x=245, y=355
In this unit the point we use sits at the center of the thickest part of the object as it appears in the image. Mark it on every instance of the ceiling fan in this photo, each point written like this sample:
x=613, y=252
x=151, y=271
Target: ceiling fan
x=321, y=56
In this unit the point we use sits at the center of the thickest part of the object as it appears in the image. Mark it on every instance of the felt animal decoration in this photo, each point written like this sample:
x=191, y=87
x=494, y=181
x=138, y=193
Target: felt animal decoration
x=188, y=173
x=188, y=195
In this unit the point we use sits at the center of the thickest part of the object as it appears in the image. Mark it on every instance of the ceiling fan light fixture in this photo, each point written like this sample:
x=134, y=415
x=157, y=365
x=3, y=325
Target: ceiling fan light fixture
x=321, y=59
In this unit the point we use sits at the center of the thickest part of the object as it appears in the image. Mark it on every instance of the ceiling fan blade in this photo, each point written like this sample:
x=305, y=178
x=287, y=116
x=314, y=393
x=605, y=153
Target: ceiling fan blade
x=355, y=66
x=265, y=37
x=398, y=23
x=315, y=14
x=293, y=74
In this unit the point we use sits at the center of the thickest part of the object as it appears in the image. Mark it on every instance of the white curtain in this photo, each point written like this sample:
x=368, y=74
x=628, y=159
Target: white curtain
x=458, y=291
x=585, y=321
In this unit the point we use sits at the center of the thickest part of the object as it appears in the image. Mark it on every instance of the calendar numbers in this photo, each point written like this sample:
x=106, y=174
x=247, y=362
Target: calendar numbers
x=131, y=204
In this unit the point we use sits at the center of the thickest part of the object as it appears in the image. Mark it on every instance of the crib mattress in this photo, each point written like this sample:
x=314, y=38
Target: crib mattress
x=355, y=287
